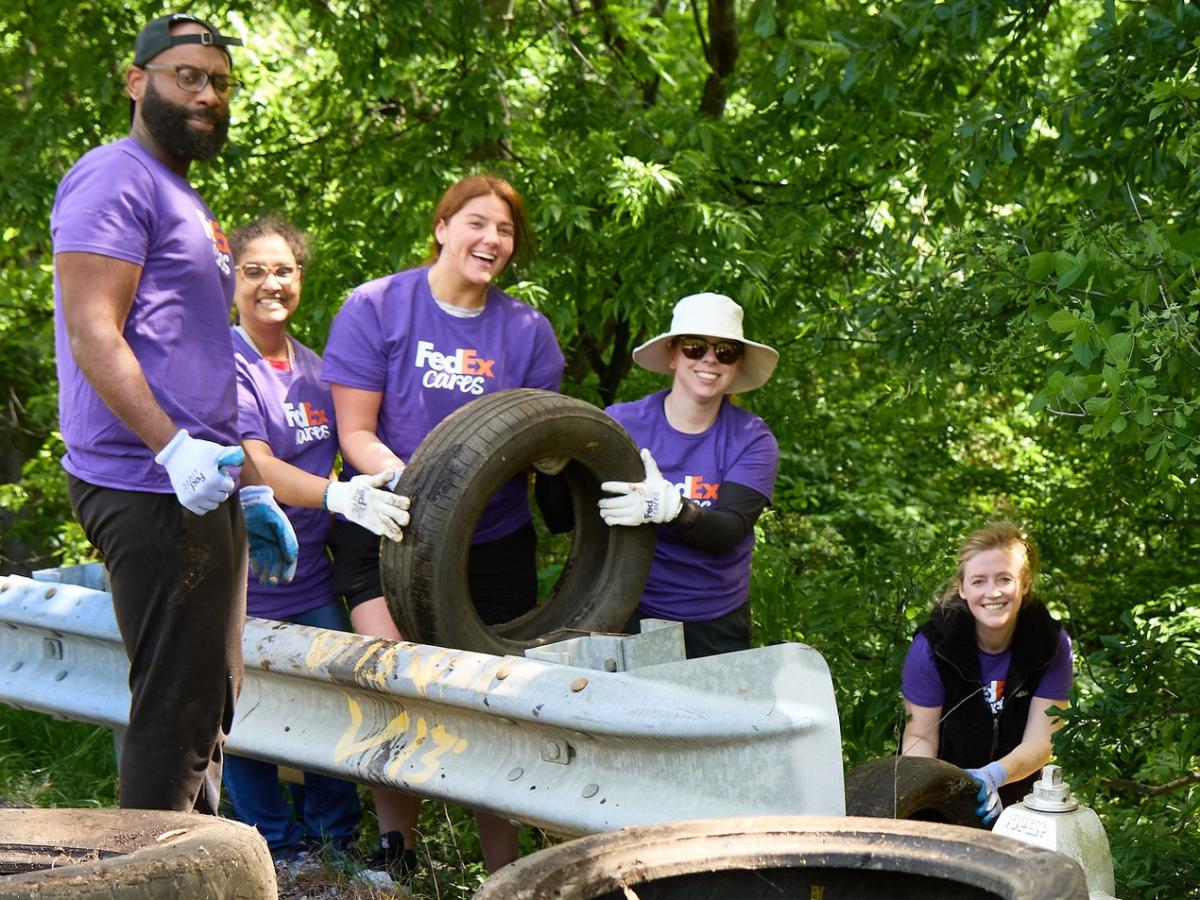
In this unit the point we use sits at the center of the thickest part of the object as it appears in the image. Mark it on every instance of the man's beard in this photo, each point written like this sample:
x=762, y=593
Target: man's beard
x=169, y=124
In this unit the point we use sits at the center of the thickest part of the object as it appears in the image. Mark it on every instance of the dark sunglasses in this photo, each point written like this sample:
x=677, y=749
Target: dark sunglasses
x=727, y=352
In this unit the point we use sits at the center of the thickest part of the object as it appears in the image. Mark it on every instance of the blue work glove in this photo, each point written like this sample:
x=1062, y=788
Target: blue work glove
x=199, y=471
x=991, y=778
x=273, y=544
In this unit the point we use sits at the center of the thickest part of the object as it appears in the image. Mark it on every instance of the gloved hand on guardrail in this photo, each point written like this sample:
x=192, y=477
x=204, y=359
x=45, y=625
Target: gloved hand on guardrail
x=991, y=778
x=199, y=470
x=637, y=503
x=273, y=544
x=364, y=501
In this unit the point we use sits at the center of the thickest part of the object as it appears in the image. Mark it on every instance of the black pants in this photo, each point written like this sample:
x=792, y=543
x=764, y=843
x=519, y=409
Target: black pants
x=724, y=634
x=501, y=574
x=179, y=592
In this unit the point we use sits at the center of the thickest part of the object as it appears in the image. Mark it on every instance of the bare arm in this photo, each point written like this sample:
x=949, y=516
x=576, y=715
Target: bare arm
x=921, y=734
x=291, y=485
x=357, y=417
x=1033, y=752
x=97, y=294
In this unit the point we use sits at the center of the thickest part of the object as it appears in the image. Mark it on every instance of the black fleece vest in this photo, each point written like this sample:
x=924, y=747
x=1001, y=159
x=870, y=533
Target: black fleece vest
x=971, y=735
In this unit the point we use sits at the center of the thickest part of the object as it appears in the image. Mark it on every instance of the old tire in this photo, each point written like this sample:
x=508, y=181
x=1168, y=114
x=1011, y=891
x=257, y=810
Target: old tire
x=47, y=854
x=772, y=857
x=458, y=466
x=912, y=787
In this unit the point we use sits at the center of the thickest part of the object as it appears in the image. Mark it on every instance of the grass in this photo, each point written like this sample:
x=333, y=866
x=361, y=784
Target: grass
x=48, y=762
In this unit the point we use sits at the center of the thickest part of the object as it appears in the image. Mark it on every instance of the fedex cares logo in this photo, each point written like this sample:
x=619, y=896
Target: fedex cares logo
x=311, y=423
x=463, y=370
x=694, y=487
x=222, y=255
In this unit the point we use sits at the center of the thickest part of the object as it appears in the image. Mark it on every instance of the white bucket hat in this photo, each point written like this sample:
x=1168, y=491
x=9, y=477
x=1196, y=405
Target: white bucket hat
x=710, y=315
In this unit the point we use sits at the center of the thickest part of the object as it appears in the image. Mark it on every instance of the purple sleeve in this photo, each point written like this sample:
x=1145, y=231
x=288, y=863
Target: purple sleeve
x=920, y=683
x=547, y=369
x=355, y=355
x=1056, y=682
x=105, y=206
x=252, y=424
x=758, y=465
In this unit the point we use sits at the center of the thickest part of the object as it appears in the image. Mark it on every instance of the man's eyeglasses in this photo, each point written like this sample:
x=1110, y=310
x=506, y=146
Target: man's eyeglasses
x=727, y=352
x=256, y=273
x=194, y=80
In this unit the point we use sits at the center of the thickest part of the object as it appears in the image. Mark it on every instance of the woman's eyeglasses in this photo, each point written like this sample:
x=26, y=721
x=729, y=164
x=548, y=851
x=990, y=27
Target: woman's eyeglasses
x=256, y=273
x=726, y=352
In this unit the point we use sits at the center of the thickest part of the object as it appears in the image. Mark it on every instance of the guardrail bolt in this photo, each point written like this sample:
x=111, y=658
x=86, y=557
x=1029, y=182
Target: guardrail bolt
x=502, y=673
x=590, y=790
x=610, y=665
x=515, y=773
x=52, y=648
x=51, y=592
x=578, y=684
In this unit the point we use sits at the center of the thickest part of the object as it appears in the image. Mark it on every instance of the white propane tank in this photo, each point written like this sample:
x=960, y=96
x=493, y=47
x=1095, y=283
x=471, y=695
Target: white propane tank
x=1050, y=817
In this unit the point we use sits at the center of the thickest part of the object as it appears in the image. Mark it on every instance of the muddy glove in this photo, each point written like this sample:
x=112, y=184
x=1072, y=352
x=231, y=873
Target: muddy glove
x=653, y=500
x=273, y=545
x=363, y=502
x=199, y=471
x=991, y=778
x=393, y=478
x=551, y=465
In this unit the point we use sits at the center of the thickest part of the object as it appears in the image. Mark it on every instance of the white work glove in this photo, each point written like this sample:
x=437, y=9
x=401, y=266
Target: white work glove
x=273, y=544
x=199, y=471
x=362, y=501
x=653, y=500
x=991, y=778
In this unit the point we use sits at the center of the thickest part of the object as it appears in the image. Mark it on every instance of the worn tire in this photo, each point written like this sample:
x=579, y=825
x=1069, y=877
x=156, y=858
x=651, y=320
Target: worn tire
x=913, y=787
x=458, y=466
x=772, y=857
x=55, y=854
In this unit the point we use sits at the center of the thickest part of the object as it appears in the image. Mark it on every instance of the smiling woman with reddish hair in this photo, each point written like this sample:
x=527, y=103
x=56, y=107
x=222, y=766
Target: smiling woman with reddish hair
x=986, y=669
x=404, y=352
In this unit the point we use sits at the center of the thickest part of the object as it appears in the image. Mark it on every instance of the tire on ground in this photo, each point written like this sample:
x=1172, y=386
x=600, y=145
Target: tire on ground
x=913, y=787
x=47, y=854
x=459, y=465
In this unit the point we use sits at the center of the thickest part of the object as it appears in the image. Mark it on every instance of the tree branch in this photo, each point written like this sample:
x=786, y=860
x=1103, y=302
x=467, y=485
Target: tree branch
x=1152, y=790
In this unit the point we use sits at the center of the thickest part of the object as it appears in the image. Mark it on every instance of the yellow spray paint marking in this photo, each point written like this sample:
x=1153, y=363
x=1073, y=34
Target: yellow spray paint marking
x=426, y=759
x=324, y=648
x=424, y=670
x=348, y=744
x=375, y=676
x=443, y=742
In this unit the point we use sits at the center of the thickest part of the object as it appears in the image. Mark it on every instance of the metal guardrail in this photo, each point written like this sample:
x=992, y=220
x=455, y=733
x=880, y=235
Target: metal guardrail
x=574, y=750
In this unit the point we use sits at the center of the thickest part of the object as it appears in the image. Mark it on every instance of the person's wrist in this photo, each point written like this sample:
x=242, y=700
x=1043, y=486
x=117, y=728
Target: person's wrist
x=325, y=496
x=163, y=455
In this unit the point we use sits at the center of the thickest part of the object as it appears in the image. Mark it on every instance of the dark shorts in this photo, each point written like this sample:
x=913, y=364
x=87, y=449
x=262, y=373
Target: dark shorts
x=502, y=574
x=724, y=634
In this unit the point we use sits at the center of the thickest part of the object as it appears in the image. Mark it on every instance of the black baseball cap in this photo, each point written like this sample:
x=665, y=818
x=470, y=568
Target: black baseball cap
x=156, y=37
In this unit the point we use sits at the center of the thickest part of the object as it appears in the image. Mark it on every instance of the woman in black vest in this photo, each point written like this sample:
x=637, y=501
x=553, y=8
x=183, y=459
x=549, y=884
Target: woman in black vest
x=985, y=670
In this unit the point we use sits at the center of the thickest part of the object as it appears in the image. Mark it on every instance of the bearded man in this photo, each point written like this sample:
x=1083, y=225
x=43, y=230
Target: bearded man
x=143, y=279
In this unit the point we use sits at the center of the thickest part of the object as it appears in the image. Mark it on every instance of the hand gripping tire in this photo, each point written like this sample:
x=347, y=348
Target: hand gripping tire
x=458, y=466
x=912, y=787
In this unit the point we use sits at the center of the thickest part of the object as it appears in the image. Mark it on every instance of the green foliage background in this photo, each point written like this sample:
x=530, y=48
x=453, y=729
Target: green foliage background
x=970, y=227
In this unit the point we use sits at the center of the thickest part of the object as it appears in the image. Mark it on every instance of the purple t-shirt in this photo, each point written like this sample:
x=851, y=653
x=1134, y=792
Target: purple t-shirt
x=391, y=336
x=119, y=201
x=922, y=686
x=687, y=584
x=293, y=413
